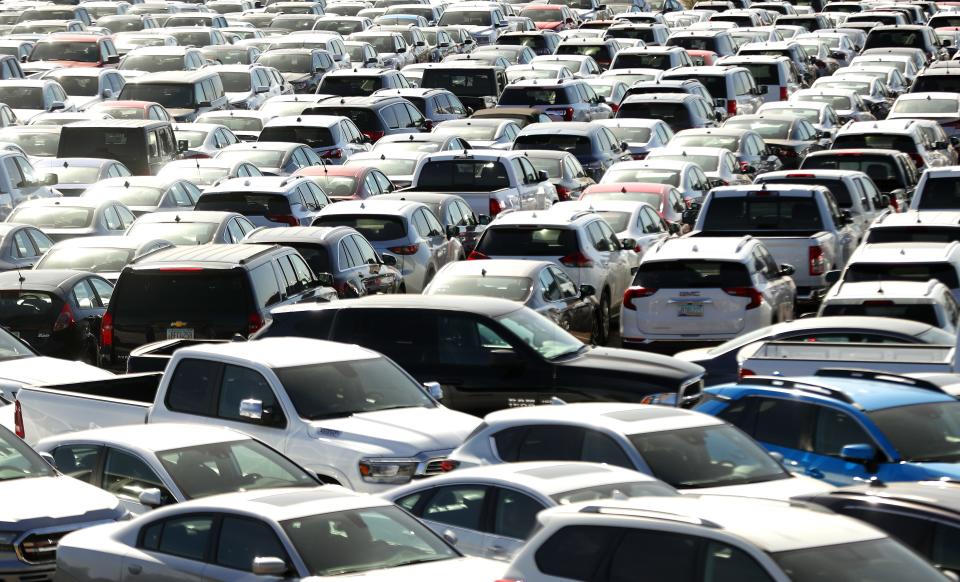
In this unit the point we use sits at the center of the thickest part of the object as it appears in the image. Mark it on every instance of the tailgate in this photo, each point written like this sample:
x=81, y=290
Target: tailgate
x=794, y=251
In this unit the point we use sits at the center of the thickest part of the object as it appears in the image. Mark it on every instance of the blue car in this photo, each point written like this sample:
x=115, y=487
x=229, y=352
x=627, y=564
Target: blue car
x=847, y=426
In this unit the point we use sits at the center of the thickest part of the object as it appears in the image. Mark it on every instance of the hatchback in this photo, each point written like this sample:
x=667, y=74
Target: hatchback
x=191, y=227
x=63, y=218
x=564, y=100
x=144, y=194
x=641, y=135
x=374, y=116
x=333, y=138
x=595, y=147
x=273, y=158
x=678, y=110
x=21, y=246
x=900, y=134
x=348, y=182
x=266, y=201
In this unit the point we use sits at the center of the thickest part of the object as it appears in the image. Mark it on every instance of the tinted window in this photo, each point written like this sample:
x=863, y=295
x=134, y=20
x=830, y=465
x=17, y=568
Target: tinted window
x=193, y=387
x=239, y=384
x=785, y=423
x=372, y=227
x=558, y=242
x=659, y=555
x=187, y=537
x=692, y=274
x=459, y=506
x=763, y=213
x=515, y=514
x=243, y=540
x=146, y=297
x=576, y=552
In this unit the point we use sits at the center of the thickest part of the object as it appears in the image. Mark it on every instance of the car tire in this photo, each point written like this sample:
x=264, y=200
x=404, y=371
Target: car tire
x=603, y=320
x=90, y=355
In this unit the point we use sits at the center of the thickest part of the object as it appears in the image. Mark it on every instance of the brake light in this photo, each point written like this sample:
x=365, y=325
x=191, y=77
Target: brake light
x=254, y=322
x=878, y=303
x=180, y=269
x=818, y=263
x=496, y=207
x=285, y=218
x=615, y=107
x=405, y=250
x=801, y=176
x=106, y=330
x=731, y=107
x=563, y=193
x=195, y=156
x=65, y=319
x=577, y=259
x=568, y=114
x=373, y=135
x=756, y=298
x=917, y=159
x=783, y=94
x=332, y=154
x=636, y=292
x=744, y=372
x=18, y=420
x=476, y=255
x=447, y=465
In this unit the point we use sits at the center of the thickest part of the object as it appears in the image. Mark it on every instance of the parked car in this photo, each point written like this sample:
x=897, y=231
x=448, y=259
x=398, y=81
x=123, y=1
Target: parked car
x=74, y=175
x=104, y=255
x=272, y=158
x=927, y=301
x=61, y=219
x=267, y=200
x=191, y=227
x=145, y=194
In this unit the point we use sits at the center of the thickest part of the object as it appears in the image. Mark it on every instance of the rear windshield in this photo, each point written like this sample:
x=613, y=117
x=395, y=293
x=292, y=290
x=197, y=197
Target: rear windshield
x=928, y=105
x=694, y=43
x=632, y=135
x=52, y=216
x=881, y=169
x=895, y=38
x=943, y=272
x=247, y=204
x=533, y=96
x=940, y=194
x=170, y=95
x=643, y=61
x=314, y=137
x=351, y=85
x=618, y=221
x=837, y=187
x=575, y=144
x=692, y=274
x=763, y=74
x=716, y=84
x=676, y=115
x=747, y=213
x=647, y=175
x=86, y=259
x=21, y=308
x=533, y=41
x=77, y=86
x=533, y=241
x=336, y=186
x=597, y=51
x=838, y=102
x=40, y=143
x=945, y=234
x=235, y=82
x=877, y=141
x=462, y=82
x=767, y=128
x=922, y=313
x=479, y=175
x=373, y=227
x=174, y=295
x=512, y=288
x=178, y=233
x=131, y=196
x=365, y=119
x=316, y=256
x=237, y=123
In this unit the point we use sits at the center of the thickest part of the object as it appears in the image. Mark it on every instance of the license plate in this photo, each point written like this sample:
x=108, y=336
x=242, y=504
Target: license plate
x=180, y=333
x=691, y=310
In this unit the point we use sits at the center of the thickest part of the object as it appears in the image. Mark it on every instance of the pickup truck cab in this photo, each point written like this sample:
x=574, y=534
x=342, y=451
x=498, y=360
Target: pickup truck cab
x=491, y=181
x=800, y=225
x=346, y=413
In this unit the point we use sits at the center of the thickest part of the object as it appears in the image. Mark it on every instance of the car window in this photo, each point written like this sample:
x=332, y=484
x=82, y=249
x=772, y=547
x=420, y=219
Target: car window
x=420, y=223
x=111, y=219
x=389, y=116
x=568, y=289
x=239, y=384
x=78, y=461
x=785, y=423
x=187, y=536
x=367, y=254
x=242, y=540
x=575, y=552
x=23, y=246
x=234, y=234
x=559, y=443
x=550, y=287
x=347, y=254
x=458, y=506
x=127, y=476
x=193, y=387
x=16, y=177
x=84, y=296
x=515, y=514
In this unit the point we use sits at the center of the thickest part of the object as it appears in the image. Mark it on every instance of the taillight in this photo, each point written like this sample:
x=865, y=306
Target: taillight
x=917, y=159
x=818, y=263
x=615, y=107
x=405, y=250
x=563, y=193
x=476, y=255
x=18, y=420
x=373, y=135
x=495, y=207
x=744, y=372
x=577, y=259
x=447, y=465
x=640, y=156
x=65, y=319
x=731, y=107
x=254, y=322
x=332, y=154
x=195, y=156
x=635, y=292
x=106, y=330
x=285, y=218
x=878, y=303
x=756, y=298
x=783, y=94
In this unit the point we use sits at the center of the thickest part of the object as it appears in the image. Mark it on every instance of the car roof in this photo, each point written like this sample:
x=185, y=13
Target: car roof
x=906, y=252
x=622, y=418
x=919, y=218
x=862, y=393
x=371, y=206
x=489, y=306
x=153, y=437
x=293, y=234
x=706, y=248
x=43, y=279
x=187, y=216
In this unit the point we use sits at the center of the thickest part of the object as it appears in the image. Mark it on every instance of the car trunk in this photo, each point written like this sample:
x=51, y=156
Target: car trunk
x=699, y=297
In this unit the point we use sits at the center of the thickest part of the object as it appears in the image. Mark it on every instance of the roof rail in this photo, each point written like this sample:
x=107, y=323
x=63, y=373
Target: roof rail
x=774, y=382
x=581, y=214
x=930, y=286
x=649, y=514
x=875, y=376
x=743, y=241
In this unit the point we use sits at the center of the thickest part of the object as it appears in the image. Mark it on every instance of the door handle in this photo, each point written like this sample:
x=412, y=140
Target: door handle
x=135, y=568
x=815, y=473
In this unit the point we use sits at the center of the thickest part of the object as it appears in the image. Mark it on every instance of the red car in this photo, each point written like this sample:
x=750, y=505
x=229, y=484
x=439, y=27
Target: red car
x=75, y=50
x=665, y=199
x=551, y=16
x=702, y=58
x=348, y=182
x=132, y=110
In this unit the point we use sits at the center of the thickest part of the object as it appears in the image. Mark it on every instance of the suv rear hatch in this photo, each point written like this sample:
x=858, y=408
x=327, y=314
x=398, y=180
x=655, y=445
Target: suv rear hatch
x=922, y=312
x=700, y=297
x=263, y=209
x=533, y=242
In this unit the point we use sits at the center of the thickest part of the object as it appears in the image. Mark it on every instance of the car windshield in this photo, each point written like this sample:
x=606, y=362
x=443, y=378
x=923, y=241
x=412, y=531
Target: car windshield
x=549, y=339
x=944, y=272
x=83, y=52
x=342, y=389
x=466, y=18
x=79, y=86
x=922, y=432
x=40, y=143
x=647, y=175
x=390, y=167
x=236, y=123
x=178, y=233
x=878, y=560
x=928, y=105
x=152, y=63
x=244, y=465
x=336, y=186
x=170, y=95
x=52, y=216
x=767, y=128
x=631, y=135
x=919, y=233
x=512, y=288
x=236, y=82
x=749, y=213
x=478, y=175
x=102, y=260
x=676, y=114
x=129, y=195
x=19, y=461
x=287, y=62
x=706, y=456
x=383, y=43
x=359, y=540
x=707, y=163
x=19, y=97
x=259, y=158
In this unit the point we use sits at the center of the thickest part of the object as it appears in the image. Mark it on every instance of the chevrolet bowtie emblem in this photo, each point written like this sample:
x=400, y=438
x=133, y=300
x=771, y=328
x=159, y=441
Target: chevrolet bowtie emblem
x=179, y=324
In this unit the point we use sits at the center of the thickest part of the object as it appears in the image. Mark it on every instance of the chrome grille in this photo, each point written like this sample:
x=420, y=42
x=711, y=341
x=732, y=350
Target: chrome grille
x=433, y=467
x=40, y=547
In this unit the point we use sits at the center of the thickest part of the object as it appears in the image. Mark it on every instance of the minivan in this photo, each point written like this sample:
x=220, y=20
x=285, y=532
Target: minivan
x=185, y=94
x=202, y=292
x=144, y=146
x=775, y=76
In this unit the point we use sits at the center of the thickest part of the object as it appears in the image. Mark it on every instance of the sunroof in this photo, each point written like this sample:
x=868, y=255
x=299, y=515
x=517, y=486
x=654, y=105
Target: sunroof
x=643, y=413
x=563, y=471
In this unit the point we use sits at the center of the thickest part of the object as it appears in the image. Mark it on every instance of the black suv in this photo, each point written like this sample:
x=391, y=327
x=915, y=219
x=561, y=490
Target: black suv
x=543, y=42
x=470, y=345
x=907, y=36
x=374, y=116
x=202, y=292
x=361, y=82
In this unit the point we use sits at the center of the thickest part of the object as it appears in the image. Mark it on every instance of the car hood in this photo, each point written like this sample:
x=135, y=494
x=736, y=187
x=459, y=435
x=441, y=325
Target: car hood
x=65, y=500
x=478, y=29
x=940, y=470
x=83, y=101
x=235, y=96
x=695, y=356
x=34, y=67
x=782, y=489
x=467, y=569
x=27, y=114
x=44, y=370
x=402, y=432
x=629, y=363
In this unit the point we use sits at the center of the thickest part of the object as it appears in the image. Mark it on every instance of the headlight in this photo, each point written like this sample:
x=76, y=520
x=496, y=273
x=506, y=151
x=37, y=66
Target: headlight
x=6, y=540
x=390, y=471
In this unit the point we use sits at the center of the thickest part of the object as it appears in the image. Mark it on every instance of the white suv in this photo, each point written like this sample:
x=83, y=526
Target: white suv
x=710, y=539
x=691, y=290
x=580, y=242
x=686, y=449
x=928, y=302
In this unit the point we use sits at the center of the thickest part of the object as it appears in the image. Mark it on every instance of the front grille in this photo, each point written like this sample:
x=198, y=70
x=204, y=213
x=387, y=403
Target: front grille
x=40, y=547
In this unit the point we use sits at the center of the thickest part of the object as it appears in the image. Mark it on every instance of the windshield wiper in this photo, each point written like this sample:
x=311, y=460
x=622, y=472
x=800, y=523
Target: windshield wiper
x=422, y=560
x=575, y=352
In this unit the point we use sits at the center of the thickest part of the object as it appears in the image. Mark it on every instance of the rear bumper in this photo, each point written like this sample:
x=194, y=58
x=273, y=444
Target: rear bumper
x=670, y=346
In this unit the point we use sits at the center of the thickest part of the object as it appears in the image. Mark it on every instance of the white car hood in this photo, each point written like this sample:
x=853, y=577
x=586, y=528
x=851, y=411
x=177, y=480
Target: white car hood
x=45, y=370
x=63, y=498
x=233, y=96
x=460, y=569
x=782, y=489
x=402, y=432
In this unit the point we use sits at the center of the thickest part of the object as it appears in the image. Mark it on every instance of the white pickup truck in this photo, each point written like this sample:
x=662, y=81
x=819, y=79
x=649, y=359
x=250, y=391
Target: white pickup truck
x=491, y=181
x=801, y=225
x=806, y=358
x=346, y=413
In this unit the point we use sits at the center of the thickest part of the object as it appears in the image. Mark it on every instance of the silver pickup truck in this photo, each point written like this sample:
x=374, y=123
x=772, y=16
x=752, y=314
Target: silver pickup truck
x=807, y=358
x=800, y=225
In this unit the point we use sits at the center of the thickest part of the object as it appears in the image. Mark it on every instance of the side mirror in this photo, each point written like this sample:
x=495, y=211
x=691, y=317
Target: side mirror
x=325, y=279
x=689, y=216
x=756, y=91
x=786, y=270
x=452, y=231
x=831, y=277
x=402, y=49
x=542, y=176
x=57, y=106
x=113, y=59
x=719, y=102
x=150, y=497
x=624, y=146
x=443, y=45
x=434, y=390
x=49, y=459
x=370, y=61
x=846, y=217
x=946, y=42
x=628, y=243
x=483, y=219
x=450, y=537
x=587, y=291
x=182, y=145
x=251, y=408
x=884, y=201
x=261, y=89
x=568, y=20
x=49, y=180
x=505, y=360
x=269, y=567
x=717, y=116
x=858, y=453
x=205, y=104
x=107, y=94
